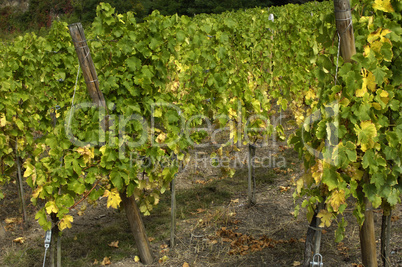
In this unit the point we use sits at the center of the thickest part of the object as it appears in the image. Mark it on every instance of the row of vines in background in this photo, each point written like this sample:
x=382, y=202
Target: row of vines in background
x=205, y=68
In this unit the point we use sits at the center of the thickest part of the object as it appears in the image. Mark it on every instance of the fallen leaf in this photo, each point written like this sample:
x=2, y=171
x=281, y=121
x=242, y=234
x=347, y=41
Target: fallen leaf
x=136, y=259
x=10, y=220
x=106, y=261
x=20, y=240
x=96, y=262
x=186, y=264
x=296, y=263
x=150, y=239
x=284, y=188
x=394, y=218
x=163, y=259
x=235, y=200
x=114, y=244
x=200, y=210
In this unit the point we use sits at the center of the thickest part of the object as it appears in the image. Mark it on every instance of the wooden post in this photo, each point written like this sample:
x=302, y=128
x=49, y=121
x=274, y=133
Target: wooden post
x=317, y=242
x=308, y=244
x=251, y=176
x=385, y=233
x=367, y=233
x=137, y=228
x=344, y=27
x=173, y=214
x=86, y=63
x=20, y=184
x=91, y=79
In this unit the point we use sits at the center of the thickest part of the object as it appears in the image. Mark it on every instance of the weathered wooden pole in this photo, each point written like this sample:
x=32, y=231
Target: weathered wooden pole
x=251, y=177
x=173, y=214
x=344, y=27
x=91, y=79
x=137, y=228
x=20, y=184
x=317, y=236
x=386, y=233
x=367, y=233
x=308, y=244
x=86, y=63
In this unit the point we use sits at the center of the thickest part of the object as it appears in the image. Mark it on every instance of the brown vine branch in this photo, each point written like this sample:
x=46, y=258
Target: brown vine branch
x=85, y=196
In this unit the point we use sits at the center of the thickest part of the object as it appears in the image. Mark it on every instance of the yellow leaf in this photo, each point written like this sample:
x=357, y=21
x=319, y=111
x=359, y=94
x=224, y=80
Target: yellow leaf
x=367, y=50
x=317, y=171
x=29, y=169
x=376, y=46
x=383, y=5
x=368, y=19
x=186, y=264
x=114, y=244
x=20, y=240
x=35, y=193
x=337, y=198
x=106, y=261
x=232, y=113
x=374, y=35
x=10, y=220
x=368, y=83
x=299, y=185
x=310, y=94
x=161, y=138
x=113, y=199
x=136, y=259
x=65, y=222
x=296, y=263
x=87, y=153
x=163, y=259
x=366, y=133
x=102, y=149
x=21, y=143
x=51, y=207
x=156, y=199
x=384, y=93
x=3, y=120
x=326, y=218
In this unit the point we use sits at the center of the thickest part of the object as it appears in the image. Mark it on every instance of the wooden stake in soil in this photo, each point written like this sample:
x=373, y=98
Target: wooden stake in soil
x=367, y=233
x=20, y=184
x=251, y=176
x=137, y=228
x=385, y=233
x=308, y=245
x=317, y=242
x=91, y=79
x=173, y=214
x=344, y=27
